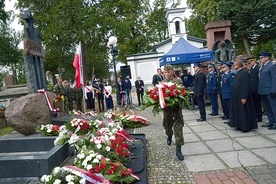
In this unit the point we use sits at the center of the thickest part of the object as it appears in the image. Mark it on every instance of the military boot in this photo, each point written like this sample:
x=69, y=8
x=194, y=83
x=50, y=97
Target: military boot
x=179, y=153
x=169, y=140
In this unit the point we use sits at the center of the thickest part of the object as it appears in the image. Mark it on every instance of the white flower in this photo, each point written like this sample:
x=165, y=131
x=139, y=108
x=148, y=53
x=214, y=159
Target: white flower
x=107, y=148
x=69, y=178
x=49, y=130
x=57, y=181
x=99, y=157
x=82, y=181
x=95, y=160
x=45, y=178
x=99, y=146
x=81, y=155
x=71, y=182
x=89, y=166
x=74, y=138
x=84, y=163
x=56, y=170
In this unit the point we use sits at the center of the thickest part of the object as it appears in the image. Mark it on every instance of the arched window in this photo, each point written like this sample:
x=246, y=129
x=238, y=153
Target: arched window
x=177, y=27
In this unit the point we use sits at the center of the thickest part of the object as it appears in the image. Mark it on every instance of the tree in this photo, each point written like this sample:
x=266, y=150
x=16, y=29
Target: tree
x=253, y=21
x=10, y=54
x=64, y=23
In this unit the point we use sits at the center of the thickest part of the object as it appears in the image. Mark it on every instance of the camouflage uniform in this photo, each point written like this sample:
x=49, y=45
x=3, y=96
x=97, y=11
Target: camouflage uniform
x=78, y=98
x=68, y=98
x=173, y=119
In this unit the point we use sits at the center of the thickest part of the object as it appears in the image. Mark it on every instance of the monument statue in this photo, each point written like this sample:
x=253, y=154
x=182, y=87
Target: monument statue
x=33, y=55
x=226, y=51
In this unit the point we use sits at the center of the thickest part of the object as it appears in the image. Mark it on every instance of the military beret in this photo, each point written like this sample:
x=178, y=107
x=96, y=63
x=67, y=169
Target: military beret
x=210, y=65
x=168, y=67
x=265, y=54
x=197, y=64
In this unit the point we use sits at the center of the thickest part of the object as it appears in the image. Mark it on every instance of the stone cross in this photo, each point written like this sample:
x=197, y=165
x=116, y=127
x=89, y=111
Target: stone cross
x=33, y=55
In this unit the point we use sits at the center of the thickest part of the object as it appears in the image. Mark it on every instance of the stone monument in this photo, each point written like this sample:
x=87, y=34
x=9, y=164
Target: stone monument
x=33, y=55
x=218, y=36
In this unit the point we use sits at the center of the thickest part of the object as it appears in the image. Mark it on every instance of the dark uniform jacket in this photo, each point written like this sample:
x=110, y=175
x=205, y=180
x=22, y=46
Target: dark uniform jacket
x=226, y=84
x=199, y=84
x=254, y=78
x=266, y=77
x=212, y=86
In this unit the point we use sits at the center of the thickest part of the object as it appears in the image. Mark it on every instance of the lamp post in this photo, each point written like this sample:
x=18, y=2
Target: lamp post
x=112, y=41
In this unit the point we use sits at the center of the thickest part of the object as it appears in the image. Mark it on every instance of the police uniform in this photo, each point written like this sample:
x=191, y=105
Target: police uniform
x=173, y=120
x=226, y=85
x=212, y=90
x=267, y=90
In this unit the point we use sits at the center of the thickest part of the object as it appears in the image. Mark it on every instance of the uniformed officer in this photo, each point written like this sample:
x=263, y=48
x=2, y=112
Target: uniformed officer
x=220, y=73
x=267, y=88
x=254, y=68
x=173, y=119
x=78, y=97
x=226, y=85
x=212, y=88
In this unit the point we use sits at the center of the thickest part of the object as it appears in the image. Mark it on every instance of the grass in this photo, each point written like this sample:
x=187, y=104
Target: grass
x=6, y=130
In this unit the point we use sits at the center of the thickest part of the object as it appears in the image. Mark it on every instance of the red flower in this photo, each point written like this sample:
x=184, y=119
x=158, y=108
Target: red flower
x=55, y=128
x=97, y=169
x=102, y=165
x=109, y=171
x=172, y=94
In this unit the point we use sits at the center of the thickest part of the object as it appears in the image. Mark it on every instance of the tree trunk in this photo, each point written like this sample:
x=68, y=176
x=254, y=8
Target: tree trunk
x=14, y=73
x=247, y=46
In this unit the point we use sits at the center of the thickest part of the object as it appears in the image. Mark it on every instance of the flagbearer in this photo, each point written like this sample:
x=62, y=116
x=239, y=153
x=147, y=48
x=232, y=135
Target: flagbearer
x=173, y=119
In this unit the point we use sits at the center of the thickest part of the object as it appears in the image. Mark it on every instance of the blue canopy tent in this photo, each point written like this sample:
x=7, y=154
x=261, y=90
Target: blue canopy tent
x=185, y=53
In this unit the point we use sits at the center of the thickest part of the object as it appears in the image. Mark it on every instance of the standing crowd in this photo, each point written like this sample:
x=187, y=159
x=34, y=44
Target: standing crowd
x=246, y=90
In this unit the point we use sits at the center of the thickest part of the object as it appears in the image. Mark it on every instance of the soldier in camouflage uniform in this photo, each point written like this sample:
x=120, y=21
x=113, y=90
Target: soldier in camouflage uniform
x=173, y=119
x=58, y=89
x=68, y=96
x=78, y=97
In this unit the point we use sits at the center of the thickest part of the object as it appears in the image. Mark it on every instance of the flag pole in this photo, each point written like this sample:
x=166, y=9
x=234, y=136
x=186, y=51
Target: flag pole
x=82, y=66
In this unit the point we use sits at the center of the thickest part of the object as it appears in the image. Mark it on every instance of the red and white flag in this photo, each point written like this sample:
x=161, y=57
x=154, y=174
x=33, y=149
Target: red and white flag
x=78, y=65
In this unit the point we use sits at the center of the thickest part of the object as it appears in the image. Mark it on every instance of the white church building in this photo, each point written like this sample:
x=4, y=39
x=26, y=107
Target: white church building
x=145, y=65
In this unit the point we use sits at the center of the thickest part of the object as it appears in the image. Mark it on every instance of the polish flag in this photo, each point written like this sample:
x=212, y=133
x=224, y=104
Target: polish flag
x=78, y=65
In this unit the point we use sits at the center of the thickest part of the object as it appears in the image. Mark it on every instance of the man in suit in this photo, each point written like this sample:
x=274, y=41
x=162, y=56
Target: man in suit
x=254, y=68
x=139, y=85
x=157, y=77
x=126, y=85
x=212, y=88
x=199, y=91
x=267, y=88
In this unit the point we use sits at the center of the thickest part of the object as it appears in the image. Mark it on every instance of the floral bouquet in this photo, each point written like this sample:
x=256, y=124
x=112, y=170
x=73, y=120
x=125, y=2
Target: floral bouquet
x=97, y=163
x=49, y=130
x=166, y=94
x=128, y=121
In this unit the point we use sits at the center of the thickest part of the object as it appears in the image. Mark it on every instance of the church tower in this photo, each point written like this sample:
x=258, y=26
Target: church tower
x=176, y=24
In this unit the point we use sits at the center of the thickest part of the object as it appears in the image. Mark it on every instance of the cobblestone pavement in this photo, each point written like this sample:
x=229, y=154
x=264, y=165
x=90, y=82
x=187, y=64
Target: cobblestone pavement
x=214, y=152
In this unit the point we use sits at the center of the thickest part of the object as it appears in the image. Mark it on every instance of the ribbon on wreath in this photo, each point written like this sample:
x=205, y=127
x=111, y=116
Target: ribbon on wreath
x=162, y=102
x=51, y=107
x=88, y=176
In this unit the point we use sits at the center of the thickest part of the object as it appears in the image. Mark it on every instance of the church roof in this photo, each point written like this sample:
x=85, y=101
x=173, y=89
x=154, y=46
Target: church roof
x=169, y=40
